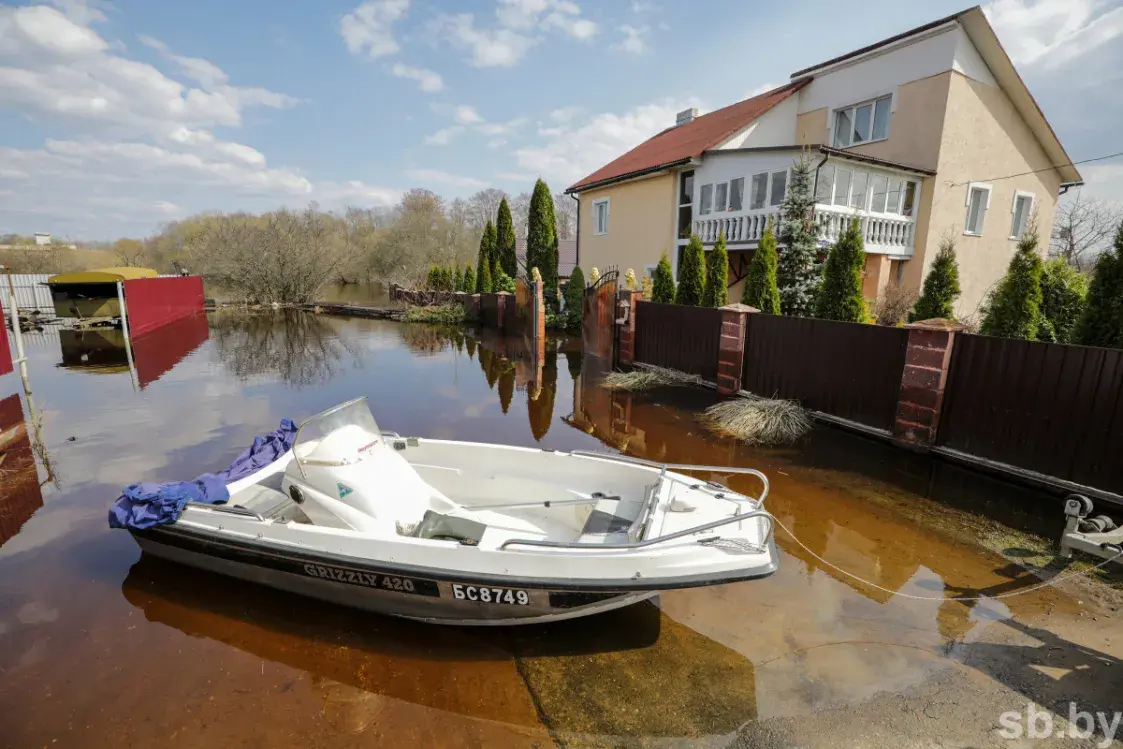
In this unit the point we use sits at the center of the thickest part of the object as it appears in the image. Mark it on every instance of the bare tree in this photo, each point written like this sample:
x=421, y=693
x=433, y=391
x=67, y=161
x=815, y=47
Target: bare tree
x=565, y=210
x=484, y=206
x=130, y=252
x=1082, y=228
x=520, y=213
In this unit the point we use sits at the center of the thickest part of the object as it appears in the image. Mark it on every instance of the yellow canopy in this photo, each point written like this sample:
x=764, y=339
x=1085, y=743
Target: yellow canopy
x=103, y=275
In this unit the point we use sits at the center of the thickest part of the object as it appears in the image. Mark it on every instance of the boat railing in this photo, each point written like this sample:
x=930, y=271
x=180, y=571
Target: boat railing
x=648, y=542
x=664, y=467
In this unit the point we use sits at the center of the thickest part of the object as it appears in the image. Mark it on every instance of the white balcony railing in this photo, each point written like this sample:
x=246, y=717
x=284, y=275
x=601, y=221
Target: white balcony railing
x=747, y=227
x=889, y=235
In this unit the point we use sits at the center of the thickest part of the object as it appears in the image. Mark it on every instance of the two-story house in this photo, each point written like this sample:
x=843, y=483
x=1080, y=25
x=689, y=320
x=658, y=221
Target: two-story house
x=930, y=133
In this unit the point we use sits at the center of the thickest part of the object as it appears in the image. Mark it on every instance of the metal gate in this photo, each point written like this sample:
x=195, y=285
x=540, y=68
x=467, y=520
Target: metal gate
x=598, y=327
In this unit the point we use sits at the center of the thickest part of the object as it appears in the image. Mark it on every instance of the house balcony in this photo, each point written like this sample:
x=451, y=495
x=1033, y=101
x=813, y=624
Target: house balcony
x=883, y=234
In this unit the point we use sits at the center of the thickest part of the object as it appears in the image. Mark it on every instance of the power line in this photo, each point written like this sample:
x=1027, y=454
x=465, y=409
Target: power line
x=1035, y=171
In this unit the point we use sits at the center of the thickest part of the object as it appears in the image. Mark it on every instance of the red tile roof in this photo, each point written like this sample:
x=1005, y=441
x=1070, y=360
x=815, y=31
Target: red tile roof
x=677, y=144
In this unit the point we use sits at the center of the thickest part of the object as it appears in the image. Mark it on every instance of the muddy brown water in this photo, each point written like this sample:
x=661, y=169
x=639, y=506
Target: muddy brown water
x=101, y=647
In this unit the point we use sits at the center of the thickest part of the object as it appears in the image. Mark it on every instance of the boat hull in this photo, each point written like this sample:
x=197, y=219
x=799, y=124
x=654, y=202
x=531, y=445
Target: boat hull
x=388, y=591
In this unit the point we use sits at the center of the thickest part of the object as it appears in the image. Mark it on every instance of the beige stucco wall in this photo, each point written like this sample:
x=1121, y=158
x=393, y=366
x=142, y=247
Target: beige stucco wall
x=640, y=225
x=984, y=138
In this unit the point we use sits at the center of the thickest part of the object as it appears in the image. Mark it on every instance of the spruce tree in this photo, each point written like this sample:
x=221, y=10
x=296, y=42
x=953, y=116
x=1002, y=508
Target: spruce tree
x=1014, y=307
x=457, y=279
x=468, y=283
x=692, y=274
x=575, y=299
x=1102, y=321
x=542, y=240
x=941, y=286
x=1063, y=289
x=760, y=281
x=715, y=293
x=840, y=298
x=505, y=240
x=663, y=282
x=483, y=262
x=797, y=271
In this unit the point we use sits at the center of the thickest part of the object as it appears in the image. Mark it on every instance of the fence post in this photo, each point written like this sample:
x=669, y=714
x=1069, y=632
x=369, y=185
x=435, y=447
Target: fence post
x=626, y=306
x=538, y=320
x=731, y=347
x=927, y=359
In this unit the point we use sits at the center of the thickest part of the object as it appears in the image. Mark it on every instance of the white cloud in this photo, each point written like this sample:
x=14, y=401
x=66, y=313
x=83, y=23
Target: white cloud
x=518, y=21
x=369, y=27
x=572, y=152
x=762, y=88
x=501, y=128
x=516, y=176
x=566, y=114
x=444, y=136
x=1053, y=33
x=466, y=115
x=633, y=40
x=641, y=6
x=1103, y=181
x=497, y=143
x=488, y=47
x=343, y=193
x=444, y=178
x=427, y=80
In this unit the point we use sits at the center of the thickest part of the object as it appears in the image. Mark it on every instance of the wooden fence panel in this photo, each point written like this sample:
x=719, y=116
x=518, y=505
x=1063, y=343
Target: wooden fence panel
x=848, y=370
x=1045, y=407
x=678, y=337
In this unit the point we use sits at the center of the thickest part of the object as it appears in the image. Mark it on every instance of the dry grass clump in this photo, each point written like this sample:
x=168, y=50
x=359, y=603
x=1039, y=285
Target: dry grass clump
x=758, y=421
x=648, y=378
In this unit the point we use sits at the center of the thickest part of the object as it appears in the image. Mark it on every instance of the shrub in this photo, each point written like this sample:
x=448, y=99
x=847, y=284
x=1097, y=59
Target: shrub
x=895, y=304
x=1102, y=321
x=505, y=240
x=760, y=281
x=468, y=282
x=1014, y=307
x=941, y=286
x=715, y=293
x=841, y=295
x=691, y=277
x=503, y=282
x=574, y=299
x=447, y=314
x=457, y=279
x=797, y=272
x=483, y=261
x=433, y=282
x=1063, y=289
x=630, y=280
x=542, y=239
x=663, y=282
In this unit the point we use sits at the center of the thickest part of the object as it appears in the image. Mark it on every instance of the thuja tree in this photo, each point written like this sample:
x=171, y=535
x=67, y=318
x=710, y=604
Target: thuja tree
x=574, y=299
x=542, y=240
x=1063, y=289
x=483, y=261
x=1102, y=321
x=663, y=282
x=505, y=240
x=457, y=279
x=433, y=282
x=468, y=282
x=840, y=298
x=715, y=293
x=941, y=286
x=692, y=274
x=797, y=273
x=760, y=281
x=1014, y=307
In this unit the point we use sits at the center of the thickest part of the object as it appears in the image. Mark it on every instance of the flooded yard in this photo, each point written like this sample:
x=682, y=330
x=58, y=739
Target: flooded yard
x=100, y=647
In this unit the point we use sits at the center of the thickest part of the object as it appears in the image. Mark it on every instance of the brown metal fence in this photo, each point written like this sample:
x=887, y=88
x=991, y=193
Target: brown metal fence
x=1045, y=407
x=683, y=338
x=848, y=370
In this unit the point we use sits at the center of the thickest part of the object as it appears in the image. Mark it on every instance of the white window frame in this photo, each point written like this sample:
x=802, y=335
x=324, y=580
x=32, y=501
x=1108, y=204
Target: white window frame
x=767, y=190
x=1014, y=211
x=729, y=194
x=787, y=181
x=852, y=109
x=607, y=203
x=971, y=187
x=725, y=203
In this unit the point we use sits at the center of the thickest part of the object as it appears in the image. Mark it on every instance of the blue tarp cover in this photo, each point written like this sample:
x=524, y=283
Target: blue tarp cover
x=145, y=505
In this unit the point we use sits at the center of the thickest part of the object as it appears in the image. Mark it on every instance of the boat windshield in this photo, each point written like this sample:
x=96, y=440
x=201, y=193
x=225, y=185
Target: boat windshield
x=337, y=437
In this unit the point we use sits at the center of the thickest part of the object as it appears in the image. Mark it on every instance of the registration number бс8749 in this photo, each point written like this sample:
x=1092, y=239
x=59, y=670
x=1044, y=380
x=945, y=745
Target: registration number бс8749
x=480, y=594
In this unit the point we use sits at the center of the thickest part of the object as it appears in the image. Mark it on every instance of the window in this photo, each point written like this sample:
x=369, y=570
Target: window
x=721, y=197
x=862, y=123
x=1023, y=207
x=842, y=187
x=779, y=187
x=978, y=200
x=685, y=201
x=908, y=202
x=737, y=194
x=760, y=191
x=706, y=200
x=600, y=216
x=858, y=190
x=893, y=198
x=825, y=186
x=878, y=189
x=686, y=189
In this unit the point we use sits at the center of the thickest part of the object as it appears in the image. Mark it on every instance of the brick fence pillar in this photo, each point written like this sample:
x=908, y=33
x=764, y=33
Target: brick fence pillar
x=927, y=359
x=538, y=320
x=626, y=320
x=502, y=298
x=731, y=347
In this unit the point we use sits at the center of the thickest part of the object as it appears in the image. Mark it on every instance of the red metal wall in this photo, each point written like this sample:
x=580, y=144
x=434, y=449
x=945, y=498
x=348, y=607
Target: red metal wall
x=160, y=350
x=5, y=350
x=152, y=302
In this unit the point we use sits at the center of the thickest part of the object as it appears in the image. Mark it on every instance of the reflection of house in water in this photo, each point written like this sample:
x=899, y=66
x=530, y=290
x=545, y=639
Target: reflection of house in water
x=104, y=350
x=20, y=493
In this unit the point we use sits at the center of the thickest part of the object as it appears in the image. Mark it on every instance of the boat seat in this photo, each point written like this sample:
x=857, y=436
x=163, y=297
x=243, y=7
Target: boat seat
x=451, y=528
x=263, y=500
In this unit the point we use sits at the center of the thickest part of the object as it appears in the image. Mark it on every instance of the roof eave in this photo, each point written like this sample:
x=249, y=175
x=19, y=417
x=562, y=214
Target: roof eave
x=639, y=173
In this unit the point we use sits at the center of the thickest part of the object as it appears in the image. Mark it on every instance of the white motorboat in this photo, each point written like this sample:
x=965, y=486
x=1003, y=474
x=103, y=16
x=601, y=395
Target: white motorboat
x=470, y=533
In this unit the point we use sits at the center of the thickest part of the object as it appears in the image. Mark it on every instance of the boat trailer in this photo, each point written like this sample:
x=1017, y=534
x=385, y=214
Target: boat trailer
x=1098, y=535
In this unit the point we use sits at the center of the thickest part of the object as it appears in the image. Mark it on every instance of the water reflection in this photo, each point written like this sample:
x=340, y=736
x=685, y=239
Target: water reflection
x=20, y=491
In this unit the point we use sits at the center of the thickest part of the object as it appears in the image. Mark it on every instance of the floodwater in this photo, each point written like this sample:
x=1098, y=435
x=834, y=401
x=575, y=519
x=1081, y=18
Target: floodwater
x=102, y=648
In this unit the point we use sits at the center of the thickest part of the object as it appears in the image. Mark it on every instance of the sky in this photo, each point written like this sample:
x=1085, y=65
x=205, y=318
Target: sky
x=117, y=116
